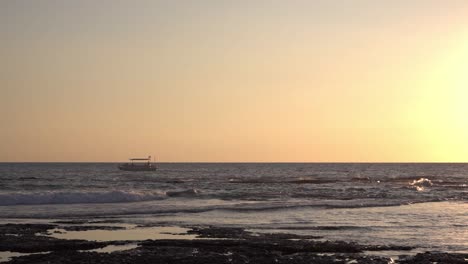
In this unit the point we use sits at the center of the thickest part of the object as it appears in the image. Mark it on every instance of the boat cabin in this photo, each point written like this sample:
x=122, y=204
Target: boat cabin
x=138, y=164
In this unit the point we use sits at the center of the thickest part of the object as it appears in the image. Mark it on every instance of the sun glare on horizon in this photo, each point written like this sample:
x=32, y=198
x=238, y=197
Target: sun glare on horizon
x=442, y=108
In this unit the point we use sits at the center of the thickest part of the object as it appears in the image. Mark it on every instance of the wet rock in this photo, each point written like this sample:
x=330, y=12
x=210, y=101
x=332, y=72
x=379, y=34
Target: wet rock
x=386, y=247
x=225, y=245
x=285, y=247
x=240, y=233
x=25, y=229
x=30, y=244
x=195, y=253
x=440, y=258
x=29, y=238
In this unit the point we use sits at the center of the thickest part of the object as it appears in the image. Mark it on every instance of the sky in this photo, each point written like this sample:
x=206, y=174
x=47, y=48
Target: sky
x=234, y=81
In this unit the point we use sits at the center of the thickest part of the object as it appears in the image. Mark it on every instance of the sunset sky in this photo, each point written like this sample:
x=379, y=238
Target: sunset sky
x=234, y=81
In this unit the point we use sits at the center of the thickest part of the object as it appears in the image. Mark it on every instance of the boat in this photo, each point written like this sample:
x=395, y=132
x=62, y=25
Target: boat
x=136, y=165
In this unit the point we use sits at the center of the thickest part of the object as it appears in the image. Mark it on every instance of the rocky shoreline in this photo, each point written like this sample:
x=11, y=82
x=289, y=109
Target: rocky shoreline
x=216, y=245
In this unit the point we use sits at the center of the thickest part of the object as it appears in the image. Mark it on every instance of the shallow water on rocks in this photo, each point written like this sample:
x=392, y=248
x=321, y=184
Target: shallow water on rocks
x=130, y=233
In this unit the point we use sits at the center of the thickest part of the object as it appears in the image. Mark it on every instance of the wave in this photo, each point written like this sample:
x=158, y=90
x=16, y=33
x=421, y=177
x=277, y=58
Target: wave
x=421, y=184
x=115, y=196
x=28, y=178
x=169, y=208
x=78, y=197
x=300, y=180
x=183, y=193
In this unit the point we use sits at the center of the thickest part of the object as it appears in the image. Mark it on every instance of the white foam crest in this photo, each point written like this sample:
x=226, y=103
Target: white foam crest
x=421, y=184
x=51, y=197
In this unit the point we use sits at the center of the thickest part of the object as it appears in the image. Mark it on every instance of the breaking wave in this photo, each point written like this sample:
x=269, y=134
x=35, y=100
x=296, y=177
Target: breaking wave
x=78, y=197
x=421, y=184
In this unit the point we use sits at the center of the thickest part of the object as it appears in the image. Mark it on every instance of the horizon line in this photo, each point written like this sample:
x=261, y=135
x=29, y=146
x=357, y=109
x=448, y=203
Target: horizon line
x=259, y=162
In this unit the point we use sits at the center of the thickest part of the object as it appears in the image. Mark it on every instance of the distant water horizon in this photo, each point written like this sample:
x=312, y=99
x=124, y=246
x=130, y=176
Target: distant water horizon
x=255, y=162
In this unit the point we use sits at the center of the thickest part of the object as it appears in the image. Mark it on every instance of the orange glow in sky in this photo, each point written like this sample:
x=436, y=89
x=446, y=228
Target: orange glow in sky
x=240, y=81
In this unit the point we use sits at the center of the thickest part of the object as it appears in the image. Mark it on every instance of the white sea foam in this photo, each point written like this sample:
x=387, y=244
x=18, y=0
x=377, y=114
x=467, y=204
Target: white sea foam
x=421, y=184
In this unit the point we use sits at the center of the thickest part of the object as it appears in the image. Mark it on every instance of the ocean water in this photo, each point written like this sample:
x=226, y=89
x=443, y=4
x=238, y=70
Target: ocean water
x=422, y=205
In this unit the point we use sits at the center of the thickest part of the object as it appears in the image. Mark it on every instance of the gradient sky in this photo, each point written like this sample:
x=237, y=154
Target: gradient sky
x=294, y=81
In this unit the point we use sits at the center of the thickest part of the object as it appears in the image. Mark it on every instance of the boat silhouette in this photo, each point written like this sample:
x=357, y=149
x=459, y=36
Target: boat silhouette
x=135, y=165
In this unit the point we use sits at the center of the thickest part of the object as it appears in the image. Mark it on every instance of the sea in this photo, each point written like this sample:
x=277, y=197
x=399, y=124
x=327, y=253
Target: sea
x=409, y=204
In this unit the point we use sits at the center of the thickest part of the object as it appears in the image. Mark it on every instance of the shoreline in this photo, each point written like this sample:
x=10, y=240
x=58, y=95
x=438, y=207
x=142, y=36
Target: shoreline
x=60, y=242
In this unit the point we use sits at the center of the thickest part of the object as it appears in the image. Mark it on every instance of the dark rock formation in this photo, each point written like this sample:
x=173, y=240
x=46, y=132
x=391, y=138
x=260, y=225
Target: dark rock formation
x=216, y=245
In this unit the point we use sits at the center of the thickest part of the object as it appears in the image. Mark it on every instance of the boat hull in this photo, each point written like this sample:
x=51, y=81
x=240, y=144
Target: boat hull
x=136, y=168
